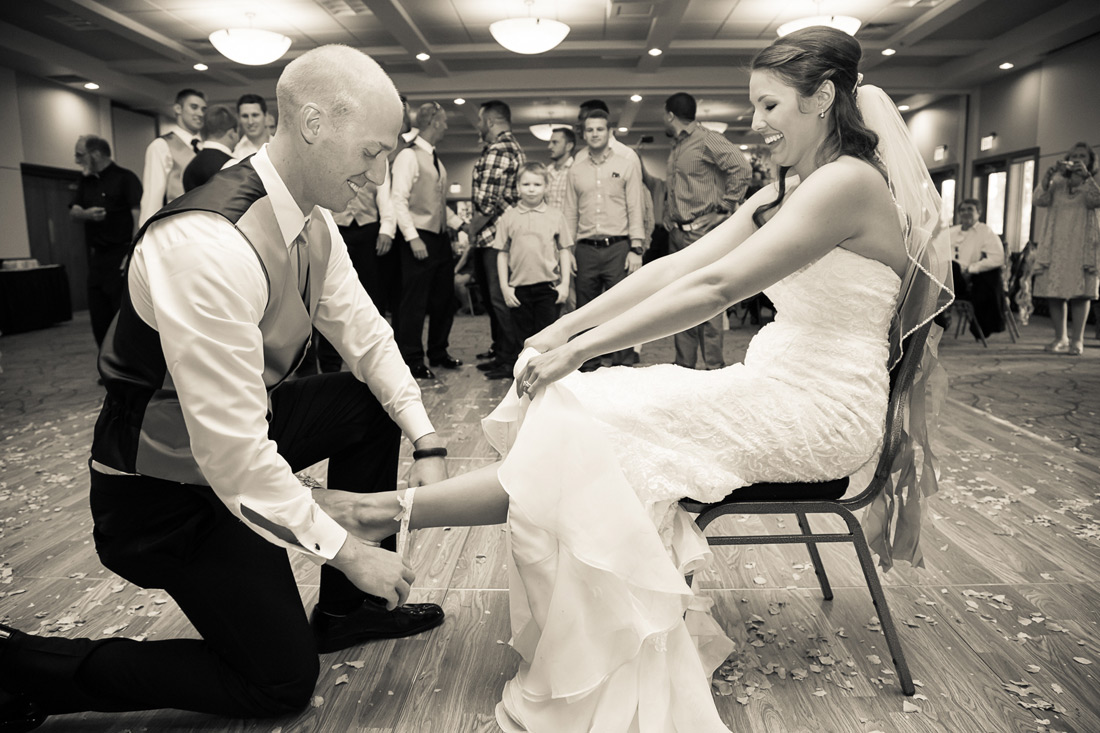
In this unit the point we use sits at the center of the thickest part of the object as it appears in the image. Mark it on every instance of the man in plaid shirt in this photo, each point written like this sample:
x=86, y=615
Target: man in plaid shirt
x=494, y=190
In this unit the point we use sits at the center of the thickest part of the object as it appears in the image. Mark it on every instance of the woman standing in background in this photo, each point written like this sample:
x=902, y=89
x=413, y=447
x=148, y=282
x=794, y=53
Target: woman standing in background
x=1068, y=258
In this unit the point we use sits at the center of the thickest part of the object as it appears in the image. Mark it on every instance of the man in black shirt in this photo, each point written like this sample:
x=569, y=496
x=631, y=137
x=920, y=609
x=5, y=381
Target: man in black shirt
x=107, y=200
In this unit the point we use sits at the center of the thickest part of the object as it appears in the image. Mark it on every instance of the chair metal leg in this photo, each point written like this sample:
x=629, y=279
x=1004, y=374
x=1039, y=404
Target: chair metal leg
x=815, y=557
x=960, y=312
x=893, y=642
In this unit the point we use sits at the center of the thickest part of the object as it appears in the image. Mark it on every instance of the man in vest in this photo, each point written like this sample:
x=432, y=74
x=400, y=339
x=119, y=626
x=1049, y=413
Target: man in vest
x=192, y=471
x=168, y=155
x=419, y=194
x=252, y=113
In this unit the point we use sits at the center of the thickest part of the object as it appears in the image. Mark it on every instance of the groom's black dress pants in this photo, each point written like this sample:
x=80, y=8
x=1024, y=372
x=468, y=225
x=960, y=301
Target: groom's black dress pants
x=257, y=655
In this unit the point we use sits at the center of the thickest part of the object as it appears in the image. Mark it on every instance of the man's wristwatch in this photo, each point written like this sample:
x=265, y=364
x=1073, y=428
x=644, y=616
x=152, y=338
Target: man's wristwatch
x=429, y=453
x=636, y=249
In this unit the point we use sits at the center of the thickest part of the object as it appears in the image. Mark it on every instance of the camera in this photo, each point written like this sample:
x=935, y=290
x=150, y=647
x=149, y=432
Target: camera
x=1065, y=167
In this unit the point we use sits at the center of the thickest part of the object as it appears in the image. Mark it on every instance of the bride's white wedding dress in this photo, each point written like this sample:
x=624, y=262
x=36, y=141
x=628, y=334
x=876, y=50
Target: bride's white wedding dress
x=611, y=637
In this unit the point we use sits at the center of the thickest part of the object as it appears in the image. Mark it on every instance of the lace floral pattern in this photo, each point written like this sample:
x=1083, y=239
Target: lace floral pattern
x=808, y=403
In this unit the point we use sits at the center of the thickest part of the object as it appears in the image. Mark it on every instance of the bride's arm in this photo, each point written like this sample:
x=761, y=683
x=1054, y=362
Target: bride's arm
x=656, y=275
x=827, y=210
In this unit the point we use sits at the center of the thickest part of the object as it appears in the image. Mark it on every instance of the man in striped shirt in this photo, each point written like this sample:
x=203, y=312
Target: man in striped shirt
x=706, y=181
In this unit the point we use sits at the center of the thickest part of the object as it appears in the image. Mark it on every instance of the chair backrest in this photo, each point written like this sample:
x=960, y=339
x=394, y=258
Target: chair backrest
x=901, y=383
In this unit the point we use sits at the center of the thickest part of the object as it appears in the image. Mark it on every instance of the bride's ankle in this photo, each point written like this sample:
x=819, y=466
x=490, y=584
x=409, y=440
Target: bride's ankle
x=379, y=515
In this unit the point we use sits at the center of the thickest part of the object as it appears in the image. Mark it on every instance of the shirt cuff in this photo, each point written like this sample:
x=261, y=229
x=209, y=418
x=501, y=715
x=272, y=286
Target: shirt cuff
x=388, y=228
x=325, y=538
x=414, y=422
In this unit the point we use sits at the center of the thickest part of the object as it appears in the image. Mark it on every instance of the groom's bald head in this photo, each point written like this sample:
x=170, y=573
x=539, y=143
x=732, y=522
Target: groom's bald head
x=339, y=80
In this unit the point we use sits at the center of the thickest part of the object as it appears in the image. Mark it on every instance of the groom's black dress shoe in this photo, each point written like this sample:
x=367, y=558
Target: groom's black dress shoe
x=447, y=362
x=371, y=621
x=421, y=372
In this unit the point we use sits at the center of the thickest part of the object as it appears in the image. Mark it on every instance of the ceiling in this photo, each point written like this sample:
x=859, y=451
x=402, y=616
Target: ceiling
x=141, y=52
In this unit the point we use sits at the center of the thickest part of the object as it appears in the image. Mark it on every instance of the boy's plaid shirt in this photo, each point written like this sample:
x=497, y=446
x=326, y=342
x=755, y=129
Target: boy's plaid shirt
x=494, y=188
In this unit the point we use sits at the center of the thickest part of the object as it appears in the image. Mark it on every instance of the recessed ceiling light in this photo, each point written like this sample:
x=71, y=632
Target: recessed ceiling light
x=91, y=85
x=655, y=52
x=423, y=56
x=1006, y=65
x=635, y=97
x=624, y=129
x=903, y=108
x=460, y=100
x=744, y=147
x=200, y=67
x=888, y=52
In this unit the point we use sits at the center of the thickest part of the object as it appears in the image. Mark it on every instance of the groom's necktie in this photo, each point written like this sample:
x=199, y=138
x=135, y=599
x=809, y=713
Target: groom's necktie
x=300, y=256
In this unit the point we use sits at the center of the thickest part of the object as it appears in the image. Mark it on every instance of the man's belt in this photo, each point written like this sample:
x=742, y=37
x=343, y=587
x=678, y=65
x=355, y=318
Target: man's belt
x=689, y=226
x=602, y=241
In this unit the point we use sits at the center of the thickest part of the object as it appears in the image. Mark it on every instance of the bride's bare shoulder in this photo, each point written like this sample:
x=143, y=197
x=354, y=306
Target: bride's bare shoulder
x=851, y=176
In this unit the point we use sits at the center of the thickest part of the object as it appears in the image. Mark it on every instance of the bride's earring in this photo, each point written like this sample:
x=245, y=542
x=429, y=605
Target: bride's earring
x=821, y=114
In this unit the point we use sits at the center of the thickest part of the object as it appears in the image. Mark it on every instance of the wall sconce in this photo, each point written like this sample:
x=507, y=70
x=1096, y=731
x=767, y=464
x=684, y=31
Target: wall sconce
x=939, y=153
x=987, y=141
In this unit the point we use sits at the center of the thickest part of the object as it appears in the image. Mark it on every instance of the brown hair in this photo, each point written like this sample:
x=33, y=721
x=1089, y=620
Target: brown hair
x=806, y=59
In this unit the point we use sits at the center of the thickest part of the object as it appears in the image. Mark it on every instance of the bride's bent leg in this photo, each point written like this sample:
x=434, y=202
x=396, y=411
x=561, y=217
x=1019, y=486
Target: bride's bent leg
x=473, y=498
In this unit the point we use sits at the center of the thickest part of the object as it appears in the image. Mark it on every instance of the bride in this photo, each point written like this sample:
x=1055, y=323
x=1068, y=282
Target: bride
x=611, y=637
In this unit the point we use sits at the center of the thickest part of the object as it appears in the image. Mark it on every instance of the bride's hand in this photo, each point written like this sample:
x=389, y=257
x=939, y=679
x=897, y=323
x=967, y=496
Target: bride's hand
x=547, y=339
x=545, y=369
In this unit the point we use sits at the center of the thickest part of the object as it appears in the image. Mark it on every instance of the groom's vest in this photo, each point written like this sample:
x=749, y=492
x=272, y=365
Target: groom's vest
x=140, y=428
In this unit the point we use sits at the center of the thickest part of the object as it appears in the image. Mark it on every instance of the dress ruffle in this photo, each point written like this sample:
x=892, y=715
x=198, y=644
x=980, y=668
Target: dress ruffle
x=597, y=602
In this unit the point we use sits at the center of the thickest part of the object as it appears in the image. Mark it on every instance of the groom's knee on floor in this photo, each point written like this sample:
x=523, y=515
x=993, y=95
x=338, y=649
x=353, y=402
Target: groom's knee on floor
x=287, y=693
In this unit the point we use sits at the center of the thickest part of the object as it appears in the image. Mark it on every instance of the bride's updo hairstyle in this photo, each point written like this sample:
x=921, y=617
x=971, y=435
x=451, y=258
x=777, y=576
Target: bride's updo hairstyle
x=806, y=59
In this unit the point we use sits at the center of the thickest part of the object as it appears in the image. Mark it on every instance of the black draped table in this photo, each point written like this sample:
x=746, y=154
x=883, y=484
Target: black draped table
x=34, y=298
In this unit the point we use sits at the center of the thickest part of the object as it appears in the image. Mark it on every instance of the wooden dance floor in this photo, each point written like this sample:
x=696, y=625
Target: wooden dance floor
x=1000, y=627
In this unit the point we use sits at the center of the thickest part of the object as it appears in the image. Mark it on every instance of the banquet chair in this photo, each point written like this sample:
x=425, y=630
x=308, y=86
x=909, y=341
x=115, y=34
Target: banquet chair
x=964, y=313
x=804, y=499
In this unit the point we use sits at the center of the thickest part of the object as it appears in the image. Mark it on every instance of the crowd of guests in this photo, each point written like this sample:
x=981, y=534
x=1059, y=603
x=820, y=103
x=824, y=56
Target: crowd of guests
x=546, y=237
x=542, y=239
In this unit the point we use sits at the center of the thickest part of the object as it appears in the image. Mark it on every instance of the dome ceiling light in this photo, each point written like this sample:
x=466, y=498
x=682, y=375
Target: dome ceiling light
x=250, y=46
x=529, y=35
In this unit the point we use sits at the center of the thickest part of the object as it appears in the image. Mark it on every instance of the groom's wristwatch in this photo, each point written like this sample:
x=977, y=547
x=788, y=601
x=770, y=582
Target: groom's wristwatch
x=429, y=453
x=636, y=249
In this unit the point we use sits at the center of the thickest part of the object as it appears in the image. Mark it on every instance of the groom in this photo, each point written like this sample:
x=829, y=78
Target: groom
x=192, y=483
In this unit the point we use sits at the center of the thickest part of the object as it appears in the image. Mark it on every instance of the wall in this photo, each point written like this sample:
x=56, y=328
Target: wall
x=133, y=132
x=54, y=116
x=41, y=122
x=1069, y=106
x=939, y=124
x=15, y=242
x=1008, y=107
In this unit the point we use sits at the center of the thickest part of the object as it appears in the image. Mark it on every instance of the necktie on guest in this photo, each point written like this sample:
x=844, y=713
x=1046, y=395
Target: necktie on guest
x=435, y=162
x=195, y=144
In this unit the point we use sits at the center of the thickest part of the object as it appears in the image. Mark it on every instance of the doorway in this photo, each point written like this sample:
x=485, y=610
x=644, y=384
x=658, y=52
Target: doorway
x=1004, y=185
x=55, y=238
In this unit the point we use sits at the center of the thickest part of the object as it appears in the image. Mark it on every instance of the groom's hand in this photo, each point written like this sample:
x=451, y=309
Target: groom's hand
x=376, y=571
